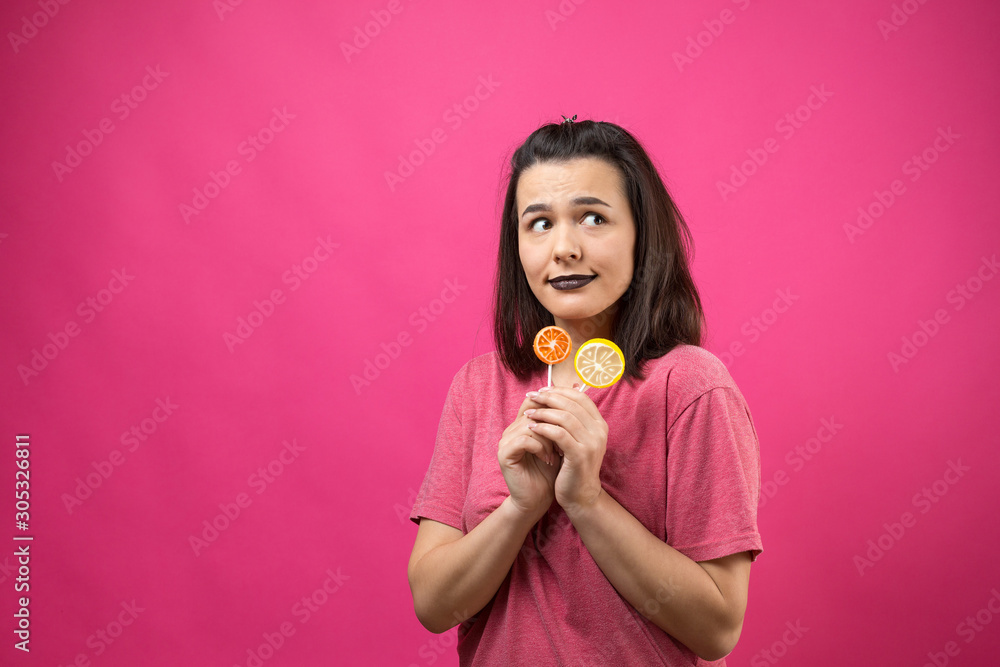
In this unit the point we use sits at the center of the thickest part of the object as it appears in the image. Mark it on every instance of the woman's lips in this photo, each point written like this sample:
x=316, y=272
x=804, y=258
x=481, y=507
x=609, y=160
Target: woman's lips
x=572, y=282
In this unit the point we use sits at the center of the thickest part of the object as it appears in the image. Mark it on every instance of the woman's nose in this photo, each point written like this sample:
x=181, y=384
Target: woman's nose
x=565, y=244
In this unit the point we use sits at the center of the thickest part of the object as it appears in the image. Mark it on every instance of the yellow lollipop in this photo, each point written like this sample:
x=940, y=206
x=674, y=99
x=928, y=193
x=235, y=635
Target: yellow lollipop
x=599, y=363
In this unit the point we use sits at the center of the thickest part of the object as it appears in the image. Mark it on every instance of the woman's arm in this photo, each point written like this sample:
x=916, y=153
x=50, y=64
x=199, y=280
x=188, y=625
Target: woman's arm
x=452, y=576
x=701, y=604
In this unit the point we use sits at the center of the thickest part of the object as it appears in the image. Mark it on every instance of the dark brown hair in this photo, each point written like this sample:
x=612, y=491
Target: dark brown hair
x=661, y=307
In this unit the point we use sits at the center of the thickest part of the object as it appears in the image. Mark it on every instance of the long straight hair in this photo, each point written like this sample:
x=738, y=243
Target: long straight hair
x=659, y=310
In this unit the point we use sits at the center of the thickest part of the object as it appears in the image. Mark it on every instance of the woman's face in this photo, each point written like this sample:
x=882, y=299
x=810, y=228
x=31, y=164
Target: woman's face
x=574, y=221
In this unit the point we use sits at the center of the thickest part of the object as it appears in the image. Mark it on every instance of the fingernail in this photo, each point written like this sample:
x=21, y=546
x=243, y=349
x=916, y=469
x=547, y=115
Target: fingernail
x=532, y=394
x=528, y=413
x=545, y=388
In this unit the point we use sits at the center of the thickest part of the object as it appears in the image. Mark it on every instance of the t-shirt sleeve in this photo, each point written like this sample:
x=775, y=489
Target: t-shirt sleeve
x=713, y=478
x=442, y=493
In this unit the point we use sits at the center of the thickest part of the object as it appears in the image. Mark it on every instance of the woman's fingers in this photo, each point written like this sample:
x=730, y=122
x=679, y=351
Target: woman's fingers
x=570, y=400
x=555, y=415
x=527, y=404
x=566, y=424
x=560, y=437
x=565, y=411
x=542, y=450
x=533, y=443
x=540, y=446
x=578, y=404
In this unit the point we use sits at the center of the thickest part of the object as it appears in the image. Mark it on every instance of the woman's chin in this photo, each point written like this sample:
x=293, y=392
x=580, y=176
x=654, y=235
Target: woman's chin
x=574, y=315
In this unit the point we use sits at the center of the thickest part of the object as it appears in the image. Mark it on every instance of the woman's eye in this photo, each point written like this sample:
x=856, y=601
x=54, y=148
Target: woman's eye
x=534, y=226
x=598, y=219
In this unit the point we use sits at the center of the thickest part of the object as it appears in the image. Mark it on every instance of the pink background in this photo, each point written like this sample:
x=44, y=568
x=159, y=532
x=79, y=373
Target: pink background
x=333, y=511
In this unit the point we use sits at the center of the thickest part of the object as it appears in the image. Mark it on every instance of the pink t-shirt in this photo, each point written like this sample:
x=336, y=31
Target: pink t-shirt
x=682, y=457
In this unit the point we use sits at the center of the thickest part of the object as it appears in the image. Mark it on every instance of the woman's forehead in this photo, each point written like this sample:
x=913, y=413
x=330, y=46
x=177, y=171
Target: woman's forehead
x=564, y=180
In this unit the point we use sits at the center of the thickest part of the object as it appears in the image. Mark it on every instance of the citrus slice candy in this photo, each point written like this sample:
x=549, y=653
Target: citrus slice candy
x=599, y=362
x=552, y=345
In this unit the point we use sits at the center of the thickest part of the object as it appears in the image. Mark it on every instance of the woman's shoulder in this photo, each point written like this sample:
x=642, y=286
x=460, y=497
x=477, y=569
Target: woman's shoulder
x=686, y=374
x=690, y=370
x=482, y=385
x=480, y=367
x=483, y=371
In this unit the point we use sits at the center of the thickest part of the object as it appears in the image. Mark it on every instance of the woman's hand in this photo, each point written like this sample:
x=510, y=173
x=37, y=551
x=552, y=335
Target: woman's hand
x=529, y=465
x=570, y=419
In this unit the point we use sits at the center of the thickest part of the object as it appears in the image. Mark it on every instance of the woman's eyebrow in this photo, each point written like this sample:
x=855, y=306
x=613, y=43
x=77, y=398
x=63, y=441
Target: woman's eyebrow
x=578, y=201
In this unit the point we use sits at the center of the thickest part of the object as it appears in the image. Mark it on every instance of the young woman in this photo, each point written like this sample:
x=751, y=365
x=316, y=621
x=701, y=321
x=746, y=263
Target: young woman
x=614, y=526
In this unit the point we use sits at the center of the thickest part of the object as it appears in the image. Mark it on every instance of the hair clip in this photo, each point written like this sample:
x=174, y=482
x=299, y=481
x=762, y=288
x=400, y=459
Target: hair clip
x=568, y=120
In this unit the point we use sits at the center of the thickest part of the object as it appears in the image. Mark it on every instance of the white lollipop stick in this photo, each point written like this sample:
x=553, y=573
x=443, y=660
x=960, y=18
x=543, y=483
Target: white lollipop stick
x=550, y=375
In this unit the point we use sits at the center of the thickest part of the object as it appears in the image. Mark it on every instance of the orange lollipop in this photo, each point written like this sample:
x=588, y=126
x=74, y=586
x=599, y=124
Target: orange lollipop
x=552, y=345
